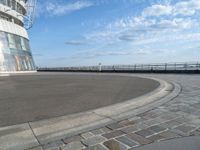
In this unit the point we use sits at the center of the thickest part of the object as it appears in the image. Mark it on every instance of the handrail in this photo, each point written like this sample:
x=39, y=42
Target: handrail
x=135, y=67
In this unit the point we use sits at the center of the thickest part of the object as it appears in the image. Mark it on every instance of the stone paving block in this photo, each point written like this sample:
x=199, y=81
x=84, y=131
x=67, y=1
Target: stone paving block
x=169, y=117
x=96, y=147
x=170, y=124
x=129, y=129
x=182, y=120
x=162, y=110
x=113, y=134
x=169, y=135
x=54, y=145
x=114, y=126
x=159, y=111
x=141, y=125
x=145, y=132
x=160, y=120
x=187, y=109
x=173, y=109
x=97, y=131
x=185, y=128
x=53, y=148
x=194, y=122
x=148, y=115
x=132, y=123
x=139, y=139
x=166, y=105
x=156, y=137
x=72, y=139
x=94, y=140
x=137, y=121
x=144, y=116
x=134, y=118
x=157, y=128
x=195, y=133
x=197, y=105
x=190, y=116
x=114, y=145
x=87, y=135
x=73, y=146
x=37, y=148
x=127, y=141
x=150, y=122
x=105, y=129
x=197, y=113
x=126, y=122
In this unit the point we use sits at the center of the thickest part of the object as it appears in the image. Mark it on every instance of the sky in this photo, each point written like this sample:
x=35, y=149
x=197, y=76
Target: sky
x=111, y=32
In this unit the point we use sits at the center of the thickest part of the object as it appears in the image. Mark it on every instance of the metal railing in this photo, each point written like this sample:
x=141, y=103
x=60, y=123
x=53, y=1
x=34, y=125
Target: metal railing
x=165, y=67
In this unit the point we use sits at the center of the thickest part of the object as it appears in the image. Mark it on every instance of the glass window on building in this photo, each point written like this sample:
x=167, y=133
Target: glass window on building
x=3, y=2
x=27, y=44
x=19, y=9
x=9, y=62
x=11, y=41
x=4, y=17
x=18, y=42
x=31, y=63
x=3, y=43
x=13, y=6
x=23, y=44
x=9, y=3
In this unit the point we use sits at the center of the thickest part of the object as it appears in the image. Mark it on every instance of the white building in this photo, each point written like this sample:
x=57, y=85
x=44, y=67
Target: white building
x=15, y=53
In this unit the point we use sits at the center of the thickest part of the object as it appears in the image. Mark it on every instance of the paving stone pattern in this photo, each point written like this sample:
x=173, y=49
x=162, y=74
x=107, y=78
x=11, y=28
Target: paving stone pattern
x=177, y=118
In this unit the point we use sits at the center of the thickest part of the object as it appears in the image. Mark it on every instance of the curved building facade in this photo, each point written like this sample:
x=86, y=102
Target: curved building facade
x=15, y=53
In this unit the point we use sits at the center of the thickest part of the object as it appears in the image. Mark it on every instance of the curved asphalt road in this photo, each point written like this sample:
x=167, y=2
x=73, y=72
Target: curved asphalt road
x=25, y=98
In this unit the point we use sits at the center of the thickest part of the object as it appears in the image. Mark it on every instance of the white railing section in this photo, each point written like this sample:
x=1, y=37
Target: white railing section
x=136, y=67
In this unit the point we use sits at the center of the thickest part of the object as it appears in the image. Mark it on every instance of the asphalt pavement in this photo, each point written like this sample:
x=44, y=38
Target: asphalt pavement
x=26, y=98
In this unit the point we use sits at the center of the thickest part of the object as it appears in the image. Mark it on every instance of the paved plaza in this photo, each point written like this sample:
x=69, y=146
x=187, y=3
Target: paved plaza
x=174, y=125
x=174, y=120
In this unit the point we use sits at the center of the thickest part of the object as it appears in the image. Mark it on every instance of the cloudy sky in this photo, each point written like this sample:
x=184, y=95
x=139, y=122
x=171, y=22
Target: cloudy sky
x=86, y=32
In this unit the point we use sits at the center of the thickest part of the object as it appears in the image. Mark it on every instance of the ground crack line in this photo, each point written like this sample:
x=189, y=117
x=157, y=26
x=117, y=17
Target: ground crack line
x=35, y=135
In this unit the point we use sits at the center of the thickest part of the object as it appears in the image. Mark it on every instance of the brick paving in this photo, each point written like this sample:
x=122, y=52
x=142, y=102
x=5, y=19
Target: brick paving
x=178, y=118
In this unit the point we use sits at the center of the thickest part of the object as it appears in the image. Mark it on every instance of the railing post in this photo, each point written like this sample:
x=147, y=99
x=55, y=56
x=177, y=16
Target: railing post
x=175, y=66
x=166, y=67
x=186, y=66
x=99, y=67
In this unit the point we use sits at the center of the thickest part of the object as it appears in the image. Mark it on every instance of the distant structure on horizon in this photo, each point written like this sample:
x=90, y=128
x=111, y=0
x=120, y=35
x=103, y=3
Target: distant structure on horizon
x=16, y=16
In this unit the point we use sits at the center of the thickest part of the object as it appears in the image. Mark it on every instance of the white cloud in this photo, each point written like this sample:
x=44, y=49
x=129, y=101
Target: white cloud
x=145, y=28
x=92, y=54
x=174, y=24
x=72, y=42
x=186, y=8
x=139, y=29
x=157, y=10
x=97, y=53
x=61, y=9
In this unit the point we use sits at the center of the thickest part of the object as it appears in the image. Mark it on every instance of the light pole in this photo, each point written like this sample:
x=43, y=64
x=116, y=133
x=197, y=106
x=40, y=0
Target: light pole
x=99, y=67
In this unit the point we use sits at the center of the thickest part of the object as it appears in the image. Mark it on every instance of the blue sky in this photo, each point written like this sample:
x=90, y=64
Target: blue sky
x=86, y=32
